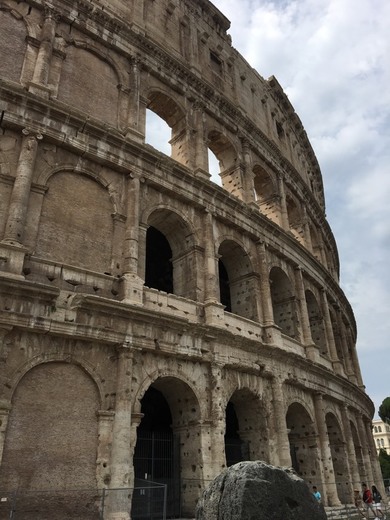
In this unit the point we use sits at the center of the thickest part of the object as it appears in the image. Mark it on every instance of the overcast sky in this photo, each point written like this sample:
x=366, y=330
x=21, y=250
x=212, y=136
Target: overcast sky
x=332, y=58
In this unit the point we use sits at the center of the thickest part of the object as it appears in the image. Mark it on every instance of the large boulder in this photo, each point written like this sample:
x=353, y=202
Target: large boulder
x=258, y=491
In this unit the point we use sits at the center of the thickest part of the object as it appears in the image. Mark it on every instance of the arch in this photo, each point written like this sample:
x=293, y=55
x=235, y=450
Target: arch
x=246, y=434
x=283, y=302
x=13, y=41
x=315, y=242
x=237, y=280
x=316, y=320
x=59, y=357
x=228, y=159
x=339, y=456
x=76, y=211
x=303, y=438
x=266, y=194
x=177, y=238
x=174, y=115
x=52, y=430
x=171, y=414
x=87, y=76
x=295, y=218
x=358, y=451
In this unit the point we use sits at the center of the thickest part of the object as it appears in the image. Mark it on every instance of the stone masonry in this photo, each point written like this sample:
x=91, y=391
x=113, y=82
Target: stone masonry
x=141, y=300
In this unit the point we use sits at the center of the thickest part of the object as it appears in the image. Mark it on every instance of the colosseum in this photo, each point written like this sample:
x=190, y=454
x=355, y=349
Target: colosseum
x=159, y=323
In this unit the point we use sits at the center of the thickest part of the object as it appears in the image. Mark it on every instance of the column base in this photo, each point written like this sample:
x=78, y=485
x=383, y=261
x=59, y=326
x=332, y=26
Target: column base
x=132, y=287
x=12, y=257
x=214, y=313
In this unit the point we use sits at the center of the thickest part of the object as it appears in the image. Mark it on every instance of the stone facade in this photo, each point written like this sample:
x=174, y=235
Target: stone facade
x=139, y=297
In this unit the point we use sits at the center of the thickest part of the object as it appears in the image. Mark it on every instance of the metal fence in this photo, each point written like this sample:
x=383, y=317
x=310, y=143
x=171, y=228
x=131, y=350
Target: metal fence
x=146, y=501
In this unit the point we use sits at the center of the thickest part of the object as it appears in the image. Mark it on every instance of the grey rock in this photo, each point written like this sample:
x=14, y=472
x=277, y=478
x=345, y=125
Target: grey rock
x=258, y=491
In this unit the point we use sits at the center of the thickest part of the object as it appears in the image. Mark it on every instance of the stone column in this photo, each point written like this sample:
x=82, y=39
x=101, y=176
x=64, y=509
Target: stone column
x=279, y=410
x=265, y=294
x=105, y=422
x=201, y=159
x=355, y=360
x=249, y=187
x=283, y=204
x=42, y=66
x=306, y=230
x=310, y=347
x=132, y=283
x=344, y=345
x=121, y=463
x=212, y=430
x=5, y=405
x=353, y=466
x=365, y=449
x=337, y=367
x=329, y=484
x=135, y=121
x=213, y=308
x=17, y=212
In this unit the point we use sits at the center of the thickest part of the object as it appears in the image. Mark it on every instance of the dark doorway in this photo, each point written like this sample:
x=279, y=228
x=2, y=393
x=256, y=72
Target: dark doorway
x=236, y=450
x=158, y=266
x=157, y=453
x=224, y=287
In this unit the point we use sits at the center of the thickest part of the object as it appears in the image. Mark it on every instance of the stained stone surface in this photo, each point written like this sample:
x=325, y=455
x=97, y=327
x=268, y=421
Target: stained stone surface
x=258, y=491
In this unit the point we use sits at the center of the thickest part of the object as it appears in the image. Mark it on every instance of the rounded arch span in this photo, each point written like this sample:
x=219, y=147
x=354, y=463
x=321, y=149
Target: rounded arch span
x=170, y=259
x=88, y=46
x=339, y=455
x=165, y=105
x=303, y=438
x=169, y=436
x=316, y=321
x=246, y=422
x=52, y=431
x=45, y=175
x=60, y=357
x=237, y=280
x=283, y=301
x=31, y=27
x=173, y=223
x=181, y=378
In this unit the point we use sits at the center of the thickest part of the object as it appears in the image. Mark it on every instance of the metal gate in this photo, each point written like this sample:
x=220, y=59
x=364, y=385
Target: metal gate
x=157, y=459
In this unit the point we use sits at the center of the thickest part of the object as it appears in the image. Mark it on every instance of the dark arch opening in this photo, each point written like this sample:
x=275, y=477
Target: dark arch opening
x=156, y=455
x=158, y=265
x=224, y=287
x=235, y=448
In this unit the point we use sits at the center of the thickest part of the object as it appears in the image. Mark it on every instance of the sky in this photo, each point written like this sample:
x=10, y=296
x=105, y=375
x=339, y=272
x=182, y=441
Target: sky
x=332, y=58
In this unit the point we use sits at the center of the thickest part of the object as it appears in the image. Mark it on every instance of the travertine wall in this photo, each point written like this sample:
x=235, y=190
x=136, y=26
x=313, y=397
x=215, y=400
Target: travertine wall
x=254, y=320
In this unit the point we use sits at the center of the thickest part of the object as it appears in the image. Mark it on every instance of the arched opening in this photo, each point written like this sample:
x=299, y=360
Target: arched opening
x=358, y=454
x=50, y=442
x=339, y=456
x=158, y=266
x=305, y=454
x=265, y=194
x=236, y=450
x=237, y=280
x=315, y=243
x=317, y=327
x=246, y=434
x=170, y=255
x=214, y=168
x=156, y=132
x=229, y=168
x=224, y=287
x=283, y=302
x=295, y=219
x=168, y=443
